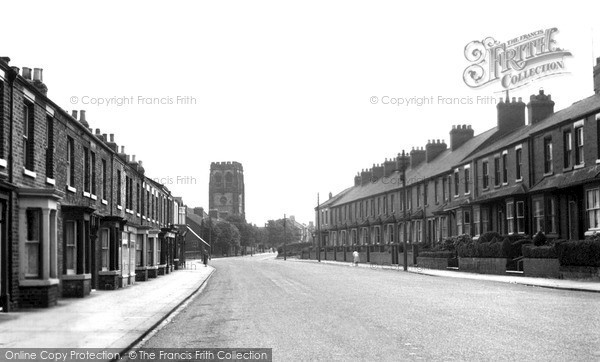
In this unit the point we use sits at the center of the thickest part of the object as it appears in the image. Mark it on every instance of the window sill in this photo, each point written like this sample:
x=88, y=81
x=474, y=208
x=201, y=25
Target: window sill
x=93, y=197
x=50, y=181
x=467, y=193
x=505, y=184
x=582, y=165
x=71, y=189
x=549, y=174
x=29, y=173
x=119, y=207
x=598, y=161
x=104, y=202
x=86, y=194
x=138, y=214
x=38, y=282
x=519, y=180
x=3, y=163
x=76, y=276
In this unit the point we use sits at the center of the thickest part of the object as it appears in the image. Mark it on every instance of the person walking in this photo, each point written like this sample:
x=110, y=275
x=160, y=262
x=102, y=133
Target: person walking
x=356, y=257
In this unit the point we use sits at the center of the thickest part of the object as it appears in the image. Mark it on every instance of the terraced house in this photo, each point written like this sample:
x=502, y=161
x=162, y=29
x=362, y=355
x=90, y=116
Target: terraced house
x=76, y=213
x=536, y=170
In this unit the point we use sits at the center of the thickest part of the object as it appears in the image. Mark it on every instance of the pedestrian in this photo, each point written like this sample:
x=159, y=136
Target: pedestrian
x=205, y=259
x=356, y=258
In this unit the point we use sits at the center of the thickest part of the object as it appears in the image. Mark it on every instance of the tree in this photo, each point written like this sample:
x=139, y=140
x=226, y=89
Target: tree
x=226, y=237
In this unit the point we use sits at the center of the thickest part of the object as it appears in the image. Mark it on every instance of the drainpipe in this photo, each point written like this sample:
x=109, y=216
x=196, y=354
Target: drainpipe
x=12, y=76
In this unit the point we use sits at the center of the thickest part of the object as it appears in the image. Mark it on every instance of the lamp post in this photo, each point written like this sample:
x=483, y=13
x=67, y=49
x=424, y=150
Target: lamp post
x=404, y=243
x=284, y=241
x=318, y=229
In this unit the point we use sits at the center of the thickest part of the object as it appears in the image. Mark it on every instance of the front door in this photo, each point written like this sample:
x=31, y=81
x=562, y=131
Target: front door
x=573, y=221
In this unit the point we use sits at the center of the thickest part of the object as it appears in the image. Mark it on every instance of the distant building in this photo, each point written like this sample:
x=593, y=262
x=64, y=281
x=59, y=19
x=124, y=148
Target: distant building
x=226, y=189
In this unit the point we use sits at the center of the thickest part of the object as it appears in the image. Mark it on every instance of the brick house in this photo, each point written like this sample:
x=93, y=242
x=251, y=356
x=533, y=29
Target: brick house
x=516, y=178
x=76, y=212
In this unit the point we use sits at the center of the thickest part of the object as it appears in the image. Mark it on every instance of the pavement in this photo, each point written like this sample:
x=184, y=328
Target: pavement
x=114, y=319
x=564, y=284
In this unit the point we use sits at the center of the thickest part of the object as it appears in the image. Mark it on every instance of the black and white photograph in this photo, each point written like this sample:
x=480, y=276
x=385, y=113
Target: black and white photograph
x=299, y=181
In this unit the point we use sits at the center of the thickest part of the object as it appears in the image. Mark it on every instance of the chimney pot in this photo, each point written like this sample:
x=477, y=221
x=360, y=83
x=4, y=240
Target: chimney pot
x=74, y=114
x=122, y=149
x=5, y=60
x=112, y=137
x=133, y=158
x=82, y=116
x=97, y=131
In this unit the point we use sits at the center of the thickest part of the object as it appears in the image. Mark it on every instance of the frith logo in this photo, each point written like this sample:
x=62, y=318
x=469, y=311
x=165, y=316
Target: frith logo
x=516, y=62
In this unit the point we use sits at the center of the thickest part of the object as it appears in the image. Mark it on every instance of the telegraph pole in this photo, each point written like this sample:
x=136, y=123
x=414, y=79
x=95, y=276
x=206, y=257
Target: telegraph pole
x=318, y=228
x=405, y=245
x=284, y=242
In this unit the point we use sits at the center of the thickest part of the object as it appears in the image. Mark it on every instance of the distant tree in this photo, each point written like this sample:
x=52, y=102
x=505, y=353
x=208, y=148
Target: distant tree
x=226, y=237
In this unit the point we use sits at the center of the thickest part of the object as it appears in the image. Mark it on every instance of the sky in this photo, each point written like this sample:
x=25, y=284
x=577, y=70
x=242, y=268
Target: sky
x=285, y=88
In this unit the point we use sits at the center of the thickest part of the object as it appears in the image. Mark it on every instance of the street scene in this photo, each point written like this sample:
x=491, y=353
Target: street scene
x=316, y=181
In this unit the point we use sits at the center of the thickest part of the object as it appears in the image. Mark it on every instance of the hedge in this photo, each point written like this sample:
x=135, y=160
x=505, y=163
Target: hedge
x=579, y=252
x=438, y=254
x=539, y=252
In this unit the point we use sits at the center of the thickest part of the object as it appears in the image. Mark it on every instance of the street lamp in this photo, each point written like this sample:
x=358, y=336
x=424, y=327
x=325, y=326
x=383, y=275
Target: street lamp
x=404, y=243
x=284, y=242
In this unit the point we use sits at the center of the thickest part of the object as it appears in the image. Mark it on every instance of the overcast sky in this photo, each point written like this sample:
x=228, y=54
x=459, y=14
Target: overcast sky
x=284, y=88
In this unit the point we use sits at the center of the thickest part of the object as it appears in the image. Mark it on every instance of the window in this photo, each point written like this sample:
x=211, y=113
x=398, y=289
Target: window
x=385, y=205
x=119, y=200
x=401, y=232
x=33, y=243
x=418, y=231
x=392, y=203
x=593, y=208
x=409, y=198
x=418, y=195
x=86, y=169
x=548, y=155
x=456, y=182
x=425, y=191
x=50, y=147
x=70, y=162
x=519, y=163
x=579, y=146
x=497, y=171
x=552, y=216
x=28, y=133
x=391, y=234
x=376, y=235
x=218, y=180
x=228, y=179
x=104, y=180
x=510, y=217
x=467, y=180
x=444, y=189
x=449, y=187
x=598, y=135
x=538, y=214
x=93, y=171
x=467, y=222
x=520, y=217
x=459, y=223
x=1, y=117
x=105, y=242
x=372, y=207
x=444, y=226
x=505, y=168
x=568, y=149
x=70, y=247
x=486, y=174
x=435, y=191
x=138, y=199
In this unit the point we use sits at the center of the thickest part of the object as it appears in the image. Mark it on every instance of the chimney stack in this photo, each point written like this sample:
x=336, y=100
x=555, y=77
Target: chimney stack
x=111, y=143
x=365, y=177
x=511, y=115
x=26, y=73
x=433, y=149
x=389, y=166
x=5, y=60
x=330, y=195
x=459, y=135
x=357, y=180
x=597, y=76
x=74, y=114
x=377, y=172
x=540, y=107
x=82, y=119
x=38, y=74
x=417, y=156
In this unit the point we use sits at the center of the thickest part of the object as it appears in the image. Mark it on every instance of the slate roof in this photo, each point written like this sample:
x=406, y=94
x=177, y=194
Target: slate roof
x=568, y=179
x=443, y=163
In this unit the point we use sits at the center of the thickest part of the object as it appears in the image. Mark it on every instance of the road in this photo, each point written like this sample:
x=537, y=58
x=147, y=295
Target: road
x=311, y=311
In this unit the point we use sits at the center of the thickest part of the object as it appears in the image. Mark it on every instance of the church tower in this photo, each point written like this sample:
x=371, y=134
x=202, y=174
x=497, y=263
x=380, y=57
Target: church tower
x=226, y=189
